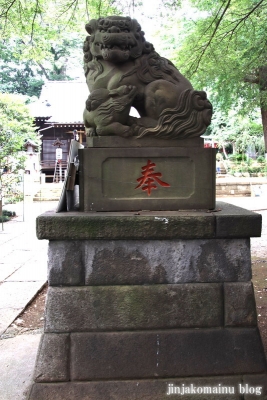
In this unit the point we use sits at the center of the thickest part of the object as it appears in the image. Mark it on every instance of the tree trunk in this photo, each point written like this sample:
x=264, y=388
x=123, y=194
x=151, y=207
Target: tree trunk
x=224, y=152
x=264, y=124
x=263, y=101
x=1, y=214
x=234, y=148
x=44, y=70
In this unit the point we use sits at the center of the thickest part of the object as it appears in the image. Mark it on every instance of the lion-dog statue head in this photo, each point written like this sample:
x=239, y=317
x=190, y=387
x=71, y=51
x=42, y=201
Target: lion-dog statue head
x=115, y=39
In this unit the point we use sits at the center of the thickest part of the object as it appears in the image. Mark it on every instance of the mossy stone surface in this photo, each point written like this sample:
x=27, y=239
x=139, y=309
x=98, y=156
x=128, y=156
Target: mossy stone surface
x=225, y=221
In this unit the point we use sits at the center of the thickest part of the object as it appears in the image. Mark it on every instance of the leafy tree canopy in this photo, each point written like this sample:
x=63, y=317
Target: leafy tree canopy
x=42, y=40
x=223, y=49
x=242, y=132
x=26, y=19
x=16, y=126
x=16, y=75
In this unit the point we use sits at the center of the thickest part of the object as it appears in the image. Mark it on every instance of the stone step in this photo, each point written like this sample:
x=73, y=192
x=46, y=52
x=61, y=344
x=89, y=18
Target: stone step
x=48, y=192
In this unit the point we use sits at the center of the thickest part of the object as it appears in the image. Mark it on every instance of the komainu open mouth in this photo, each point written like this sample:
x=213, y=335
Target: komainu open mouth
x=115, y=53
x=115, y=47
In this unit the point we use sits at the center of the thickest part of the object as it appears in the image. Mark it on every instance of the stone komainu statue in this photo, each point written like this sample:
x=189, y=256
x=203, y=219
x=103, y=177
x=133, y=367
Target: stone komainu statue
x=123, y=70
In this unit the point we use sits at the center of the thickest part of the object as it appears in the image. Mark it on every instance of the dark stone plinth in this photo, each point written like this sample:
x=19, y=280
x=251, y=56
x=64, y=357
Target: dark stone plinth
x=173, y=353
x=117, y=179
x=53, y=359
x=149, y=354
x=156, y=389
x=255, y=382
x=227, y=222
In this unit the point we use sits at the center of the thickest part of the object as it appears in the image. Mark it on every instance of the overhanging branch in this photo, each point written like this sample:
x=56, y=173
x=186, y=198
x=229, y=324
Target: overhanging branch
x=212, y=35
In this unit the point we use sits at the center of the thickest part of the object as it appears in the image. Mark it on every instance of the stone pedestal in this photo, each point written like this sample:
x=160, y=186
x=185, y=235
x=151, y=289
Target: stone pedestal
x=146, y=174
x=143, y=305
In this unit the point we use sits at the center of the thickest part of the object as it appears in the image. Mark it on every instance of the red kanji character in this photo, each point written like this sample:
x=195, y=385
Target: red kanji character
x=149, y=177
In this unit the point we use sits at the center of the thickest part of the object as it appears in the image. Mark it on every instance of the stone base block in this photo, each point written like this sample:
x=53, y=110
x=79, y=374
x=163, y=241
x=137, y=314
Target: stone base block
x=120, y=142
x=53, y=358
x=164, y=354
x=239, y=306
x=137, y=307
x=138, y=262
x=147, y=178
x=226, y=222
x=250, y=385
x=208, y=388
x=149, y=354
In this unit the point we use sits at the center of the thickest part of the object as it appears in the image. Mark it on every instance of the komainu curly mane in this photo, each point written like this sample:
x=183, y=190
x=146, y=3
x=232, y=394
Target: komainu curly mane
x=186, y=118
x=116, y=54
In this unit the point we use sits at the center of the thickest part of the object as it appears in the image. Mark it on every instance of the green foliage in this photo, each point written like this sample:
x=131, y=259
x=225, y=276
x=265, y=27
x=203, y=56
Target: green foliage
x=17, y=76
x=28, y=19
x=223, y=49
x=238, y=157
x=226, y=38
x=254, y=169
x=243, y=132
x=13, y=197
x=16, y=126
x=59, y=61
x=61, y=57
x=4, y=218
x=43, y=39
x=7, y=215
x=261, y=159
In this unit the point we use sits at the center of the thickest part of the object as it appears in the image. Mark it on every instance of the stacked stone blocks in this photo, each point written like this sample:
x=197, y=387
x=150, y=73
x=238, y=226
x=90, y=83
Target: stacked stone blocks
x=128, y=313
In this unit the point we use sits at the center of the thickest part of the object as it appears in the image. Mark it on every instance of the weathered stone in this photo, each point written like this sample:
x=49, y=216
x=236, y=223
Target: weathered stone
x=110, y=178
x=173, y=261
x=254, y=387
x=111, y=308
x=158, y=225
x=125, y=225
x=166, y=353
x=240, y=307
x=143, y=389
x=65, y=263
x=53, y=358
x=234, y=221
x=140, y=262
x=117, y=141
